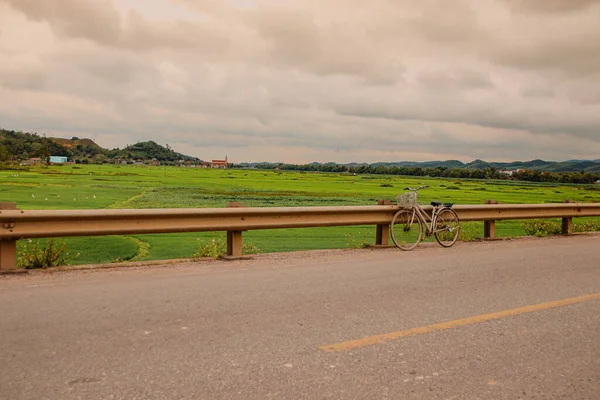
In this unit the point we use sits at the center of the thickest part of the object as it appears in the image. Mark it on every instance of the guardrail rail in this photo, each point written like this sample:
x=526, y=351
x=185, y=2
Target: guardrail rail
x=23, y=224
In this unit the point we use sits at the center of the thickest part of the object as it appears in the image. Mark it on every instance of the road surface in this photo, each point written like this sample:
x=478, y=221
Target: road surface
x=515, y=319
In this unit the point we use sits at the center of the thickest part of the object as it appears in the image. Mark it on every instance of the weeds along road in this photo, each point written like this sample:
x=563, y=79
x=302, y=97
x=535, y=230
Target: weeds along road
x=496, y=320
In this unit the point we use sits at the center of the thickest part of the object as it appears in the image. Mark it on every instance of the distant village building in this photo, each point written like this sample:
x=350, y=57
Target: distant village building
x=34, y=160
x=58, y=159
x=220, y=163
x=509, y=172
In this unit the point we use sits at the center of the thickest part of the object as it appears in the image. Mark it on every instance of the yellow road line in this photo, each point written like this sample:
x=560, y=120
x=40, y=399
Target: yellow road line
x=352, y=344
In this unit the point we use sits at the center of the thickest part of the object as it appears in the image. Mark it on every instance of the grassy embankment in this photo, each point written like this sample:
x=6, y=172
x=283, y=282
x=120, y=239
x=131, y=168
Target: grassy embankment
x=108, y=186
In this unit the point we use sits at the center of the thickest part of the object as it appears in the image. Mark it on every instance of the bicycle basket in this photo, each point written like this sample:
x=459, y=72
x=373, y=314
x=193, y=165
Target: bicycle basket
x=408, y=199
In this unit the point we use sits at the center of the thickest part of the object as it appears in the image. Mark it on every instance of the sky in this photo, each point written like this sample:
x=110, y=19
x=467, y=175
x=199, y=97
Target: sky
x=311, y=80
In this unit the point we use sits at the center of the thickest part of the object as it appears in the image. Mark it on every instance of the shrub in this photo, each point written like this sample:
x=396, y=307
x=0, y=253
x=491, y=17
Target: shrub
x=452, y=188
x=33, y=254
x=250, y=248
x=213, y=248
x=216, y=247
x=541, y=227
x=469, y=231
x=586, y=226
x=354, y=242
x=386, y=185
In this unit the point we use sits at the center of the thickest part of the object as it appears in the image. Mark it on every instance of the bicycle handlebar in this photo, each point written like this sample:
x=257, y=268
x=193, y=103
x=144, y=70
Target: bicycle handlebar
x=414, y=190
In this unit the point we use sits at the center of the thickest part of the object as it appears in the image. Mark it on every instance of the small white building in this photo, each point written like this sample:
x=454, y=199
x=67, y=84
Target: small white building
x=58, y=159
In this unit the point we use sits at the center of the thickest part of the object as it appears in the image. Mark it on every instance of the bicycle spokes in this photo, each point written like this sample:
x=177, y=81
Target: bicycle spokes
x=406, y=229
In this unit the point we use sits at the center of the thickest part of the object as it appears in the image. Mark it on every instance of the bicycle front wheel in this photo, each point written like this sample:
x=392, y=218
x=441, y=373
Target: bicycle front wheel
x=406, y=229
x=446, y=227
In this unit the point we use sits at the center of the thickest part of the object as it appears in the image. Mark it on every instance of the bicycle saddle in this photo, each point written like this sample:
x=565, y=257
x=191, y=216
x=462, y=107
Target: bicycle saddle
x=436, y=203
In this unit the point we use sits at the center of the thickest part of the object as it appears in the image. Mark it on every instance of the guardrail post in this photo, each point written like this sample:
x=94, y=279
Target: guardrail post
x=489, y=227
x=234, y=238
x=382, y=235
x=567, y=223
x=8, y=248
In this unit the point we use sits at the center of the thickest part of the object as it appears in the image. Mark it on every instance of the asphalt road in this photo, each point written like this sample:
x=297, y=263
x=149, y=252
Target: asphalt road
x=260, y=329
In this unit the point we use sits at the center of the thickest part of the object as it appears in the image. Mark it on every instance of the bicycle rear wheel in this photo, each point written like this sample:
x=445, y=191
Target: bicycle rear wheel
x=446, y=227
x=406, y=229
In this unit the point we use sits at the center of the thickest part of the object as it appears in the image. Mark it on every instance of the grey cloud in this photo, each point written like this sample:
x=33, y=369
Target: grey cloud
x=24, y=78
x=458, y=79
x=572, y=58
x=145, y=35
x=538, y=91
x=584, y=91
x=494, y=113
x=294, y=40
x=560, y=42
x=111, y=68
x=100, y=22
x=550, y=6
x=96, y=20
x=292, y=37
x=440, y=22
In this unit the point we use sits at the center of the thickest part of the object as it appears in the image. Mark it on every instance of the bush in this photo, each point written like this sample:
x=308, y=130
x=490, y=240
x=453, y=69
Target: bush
x=586, y=226
x=33, y=254
x=386, y=185
x=541, y=227
x=217, y=248
x=213, y=248
x=470, y=231
x=354, y=242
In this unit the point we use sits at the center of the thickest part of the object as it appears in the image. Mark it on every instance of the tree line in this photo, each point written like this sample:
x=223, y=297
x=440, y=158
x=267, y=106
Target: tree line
x=579, y=177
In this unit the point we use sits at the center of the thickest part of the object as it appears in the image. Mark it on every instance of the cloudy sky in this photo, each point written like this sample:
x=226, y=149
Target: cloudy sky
x=309, y=80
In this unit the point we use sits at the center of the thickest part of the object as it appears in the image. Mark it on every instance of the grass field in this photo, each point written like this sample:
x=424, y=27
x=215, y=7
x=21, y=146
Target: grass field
x=115, y=186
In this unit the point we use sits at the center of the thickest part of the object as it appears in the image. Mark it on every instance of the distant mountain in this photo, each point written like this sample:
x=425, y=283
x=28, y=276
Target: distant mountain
x=591, y=166
x=422, y=164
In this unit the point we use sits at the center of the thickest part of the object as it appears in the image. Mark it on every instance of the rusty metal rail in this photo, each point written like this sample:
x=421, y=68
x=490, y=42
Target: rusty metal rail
x=19, y=224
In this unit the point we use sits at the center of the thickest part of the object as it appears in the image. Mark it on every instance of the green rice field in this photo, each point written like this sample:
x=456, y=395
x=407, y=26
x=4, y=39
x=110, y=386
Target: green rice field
x=125, y=186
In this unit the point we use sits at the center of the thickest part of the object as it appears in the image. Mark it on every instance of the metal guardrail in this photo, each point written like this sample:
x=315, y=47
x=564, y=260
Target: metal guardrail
x=19, y=224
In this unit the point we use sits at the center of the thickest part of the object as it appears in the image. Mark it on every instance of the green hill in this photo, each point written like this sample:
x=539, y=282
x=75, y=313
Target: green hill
x=21, y=146
x=150, y=151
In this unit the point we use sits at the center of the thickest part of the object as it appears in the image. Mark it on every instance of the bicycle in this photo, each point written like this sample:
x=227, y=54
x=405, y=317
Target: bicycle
x=407, y=224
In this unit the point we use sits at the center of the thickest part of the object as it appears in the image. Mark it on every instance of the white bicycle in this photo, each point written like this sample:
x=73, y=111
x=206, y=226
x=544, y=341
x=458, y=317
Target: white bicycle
x=409, y=224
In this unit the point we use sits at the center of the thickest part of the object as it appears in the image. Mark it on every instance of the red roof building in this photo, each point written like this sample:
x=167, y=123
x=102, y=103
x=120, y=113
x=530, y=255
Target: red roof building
x=220, y=163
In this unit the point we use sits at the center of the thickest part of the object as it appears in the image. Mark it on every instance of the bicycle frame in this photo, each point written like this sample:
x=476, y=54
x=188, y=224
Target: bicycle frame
x=425, y=218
